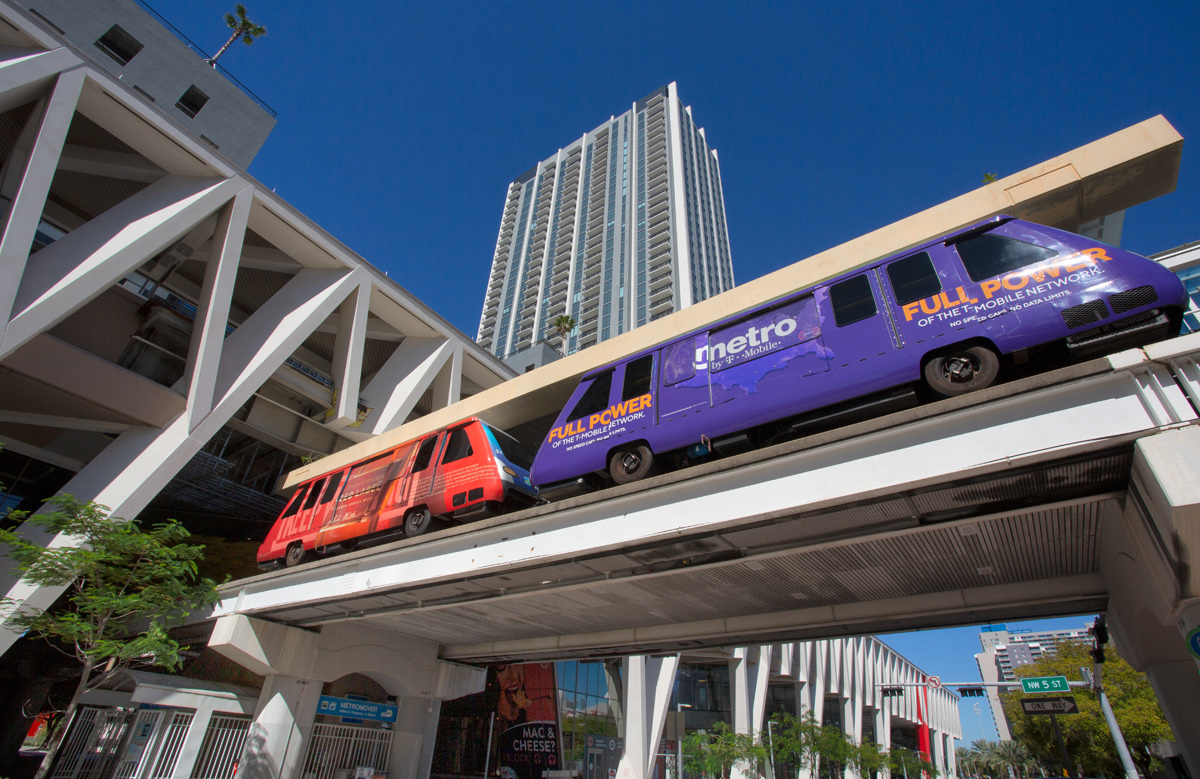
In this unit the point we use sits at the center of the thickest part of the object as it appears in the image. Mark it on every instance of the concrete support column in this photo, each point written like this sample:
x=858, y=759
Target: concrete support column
x=276, y=743
x=647, y=683
x=883, y=728
x=951, y=758
x=411, y=756
x=1150, y=559
x=749, y=670
x=851, y=721
x=192, y=741
x=296, y=662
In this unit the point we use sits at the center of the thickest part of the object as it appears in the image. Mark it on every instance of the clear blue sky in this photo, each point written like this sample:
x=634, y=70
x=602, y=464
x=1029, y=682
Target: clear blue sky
x=401, y=124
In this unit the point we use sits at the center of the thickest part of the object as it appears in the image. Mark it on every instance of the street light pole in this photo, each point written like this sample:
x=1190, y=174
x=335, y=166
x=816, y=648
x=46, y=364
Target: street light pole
x=771, y=745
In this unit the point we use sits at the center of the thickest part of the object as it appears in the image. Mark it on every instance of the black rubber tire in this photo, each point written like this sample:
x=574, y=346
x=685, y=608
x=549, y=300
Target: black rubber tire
x=630, y=463
x=417, y=522
x=349, y=545
x=962, y=370
x=296, y=555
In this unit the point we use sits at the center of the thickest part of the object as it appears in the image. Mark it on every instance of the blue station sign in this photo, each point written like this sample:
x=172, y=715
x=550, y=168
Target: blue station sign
x=347, y=707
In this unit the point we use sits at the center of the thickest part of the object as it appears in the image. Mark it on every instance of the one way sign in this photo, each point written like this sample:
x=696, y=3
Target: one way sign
x=1063, y=704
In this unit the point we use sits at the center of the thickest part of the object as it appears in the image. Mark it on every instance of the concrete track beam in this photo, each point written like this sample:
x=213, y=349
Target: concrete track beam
x=1116, y=172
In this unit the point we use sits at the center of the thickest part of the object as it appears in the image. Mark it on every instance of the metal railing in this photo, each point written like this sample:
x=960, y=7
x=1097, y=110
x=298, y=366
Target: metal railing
x=187, y=42
x=345, y=747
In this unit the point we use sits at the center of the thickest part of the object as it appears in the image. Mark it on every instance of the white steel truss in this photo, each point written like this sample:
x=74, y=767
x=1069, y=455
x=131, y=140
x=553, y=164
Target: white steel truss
x=278, y=327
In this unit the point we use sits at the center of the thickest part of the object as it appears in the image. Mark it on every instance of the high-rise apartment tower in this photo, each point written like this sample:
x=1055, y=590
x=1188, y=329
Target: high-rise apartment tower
x=620, y=228
x=1004, y=650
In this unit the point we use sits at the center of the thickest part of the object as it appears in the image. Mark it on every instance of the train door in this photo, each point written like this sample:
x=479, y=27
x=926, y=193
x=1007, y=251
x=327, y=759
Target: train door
x=421, y=475
x=633, y=408
x=683, y=379
x=929, y=300
x=287, y=519
x=356, y=502
x=862, y=337
x=306, y=522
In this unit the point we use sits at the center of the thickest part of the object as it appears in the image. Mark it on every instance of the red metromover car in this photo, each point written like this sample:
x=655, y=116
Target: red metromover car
x=466, y=470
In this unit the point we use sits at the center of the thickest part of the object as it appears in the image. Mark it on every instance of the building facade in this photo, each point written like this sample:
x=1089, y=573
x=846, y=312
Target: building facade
x=621, y=227
x=1004, y=650
x=579, y=716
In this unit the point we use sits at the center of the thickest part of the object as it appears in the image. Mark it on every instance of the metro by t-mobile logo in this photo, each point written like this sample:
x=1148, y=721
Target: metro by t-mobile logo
x=710, y=356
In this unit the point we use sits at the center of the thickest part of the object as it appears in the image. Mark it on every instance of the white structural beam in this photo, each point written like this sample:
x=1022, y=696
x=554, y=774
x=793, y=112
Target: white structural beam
x=347, y=357
x=111, y=164
x=647, y=684
x=85, y=263
x=212, y=311
x=749, y=671
x=396, y=387
x=23, y=78
x=53, y=119
x=136, y=467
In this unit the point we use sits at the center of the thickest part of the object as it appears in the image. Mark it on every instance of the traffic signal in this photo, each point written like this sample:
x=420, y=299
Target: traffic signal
x=1099, y=631
x=892, y=692
x=971, y=692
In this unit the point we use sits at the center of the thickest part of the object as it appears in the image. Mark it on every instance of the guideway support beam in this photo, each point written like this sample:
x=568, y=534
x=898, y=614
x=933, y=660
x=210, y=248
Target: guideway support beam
x=296, y=664
x=1150, y=560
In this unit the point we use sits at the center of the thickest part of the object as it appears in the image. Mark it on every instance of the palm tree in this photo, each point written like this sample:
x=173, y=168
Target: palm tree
x=242, y=28
x=1015, y=754
x=563, y=325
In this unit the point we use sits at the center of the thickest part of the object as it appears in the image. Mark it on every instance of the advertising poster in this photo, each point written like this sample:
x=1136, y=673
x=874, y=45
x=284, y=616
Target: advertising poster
x=526, y=720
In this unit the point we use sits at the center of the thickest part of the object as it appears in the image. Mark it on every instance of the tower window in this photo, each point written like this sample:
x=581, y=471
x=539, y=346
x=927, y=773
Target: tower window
x=192, y=101
x=119, y=44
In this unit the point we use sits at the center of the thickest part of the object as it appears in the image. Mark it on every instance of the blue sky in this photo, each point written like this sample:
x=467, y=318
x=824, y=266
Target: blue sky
x=401, y=124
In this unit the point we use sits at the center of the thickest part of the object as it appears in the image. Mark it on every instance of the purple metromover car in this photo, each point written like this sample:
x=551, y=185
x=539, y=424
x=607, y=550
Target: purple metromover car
x=946, y=314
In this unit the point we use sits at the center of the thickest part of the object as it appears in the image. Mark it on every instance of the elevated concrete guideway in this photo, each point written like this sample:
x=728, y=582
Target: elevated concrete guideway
x=1070, y=492
x=1116, y=172
x=985, y=507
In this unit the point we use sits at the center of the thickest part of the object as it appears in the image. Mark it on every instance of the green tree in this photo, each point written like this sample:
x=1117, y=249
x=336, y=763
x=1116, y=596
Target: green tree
x=563, y=325
x=715, y=753
x=1015, y=755
x=836, y=750
x=795, y=740
x=1086, y=734
x=242, y=28
x=125, y=586
x=909, y=764
x=868, y=759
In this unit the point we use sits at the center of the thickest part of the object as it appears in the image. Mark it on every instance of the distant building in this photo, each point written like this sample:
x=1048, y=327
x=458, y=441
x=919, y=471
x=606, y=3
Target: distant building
x=1185, y=262
x=1005, y=650
x=621, y=227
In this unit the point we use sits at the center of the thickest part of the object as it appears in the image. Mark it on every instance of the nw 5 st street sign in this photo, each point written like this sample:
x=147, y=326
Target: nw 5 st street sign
x=1046, y=684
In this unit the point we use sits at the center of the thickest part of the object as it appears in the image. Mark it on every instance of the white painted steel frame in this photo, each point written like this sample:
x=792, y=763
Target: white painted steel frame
x=190, y=189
